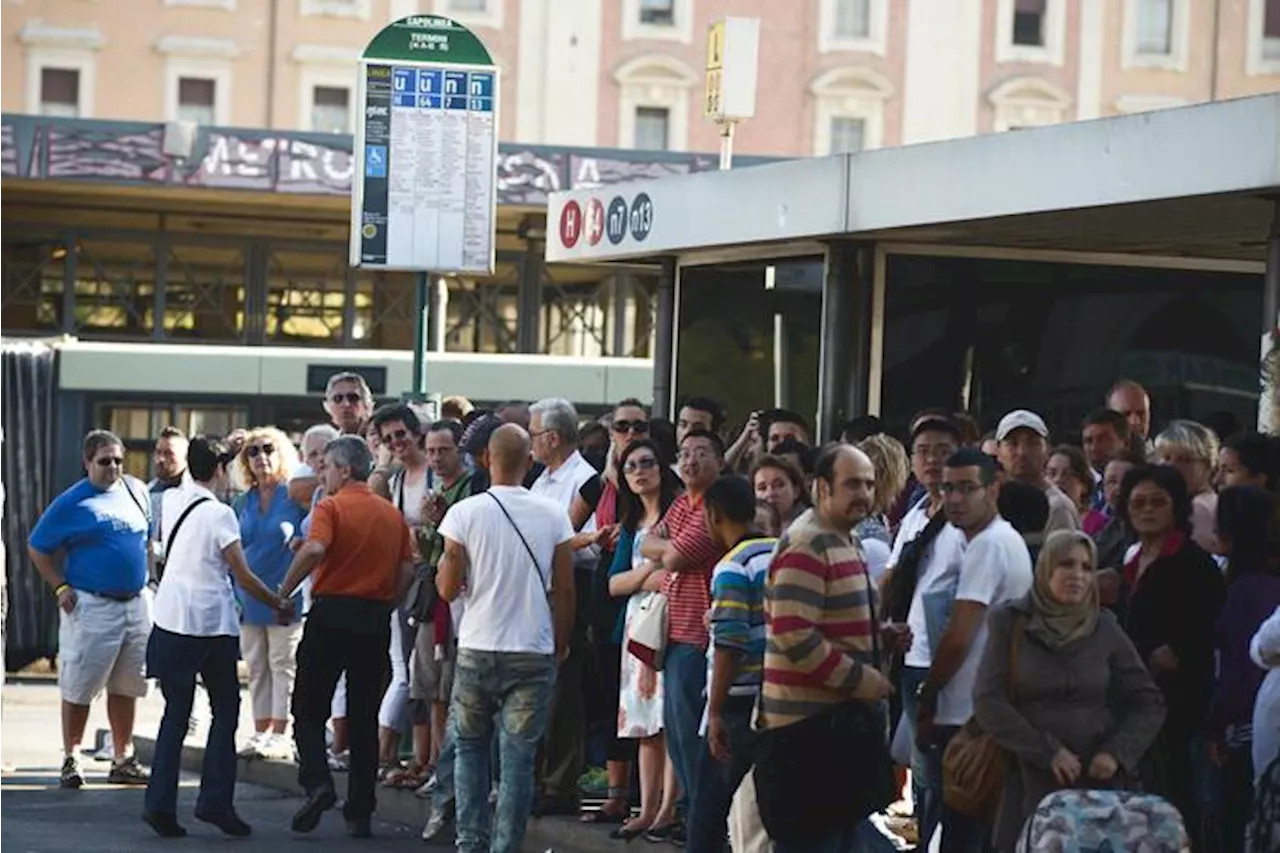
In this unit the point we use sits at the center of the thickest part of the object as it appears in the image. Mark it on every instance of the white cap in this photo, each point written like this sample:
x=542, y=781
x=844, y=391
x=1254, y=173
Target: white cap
x=1021, y=419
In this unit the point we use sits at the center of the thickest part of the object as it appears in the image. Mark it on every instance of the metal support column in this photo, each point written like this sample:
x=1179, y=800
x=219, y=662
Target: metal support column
x=1269, y=401
x=623, y=294
x=844, y=367
x=437, y=315
x=160, y=295
x=69, y=261
x=529, y=298
x=421, y=305
x=664, y=348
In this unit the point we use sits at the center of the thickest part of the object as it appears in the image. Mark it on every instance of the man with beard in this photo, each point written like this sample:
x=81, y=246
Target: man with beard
x=170, y=460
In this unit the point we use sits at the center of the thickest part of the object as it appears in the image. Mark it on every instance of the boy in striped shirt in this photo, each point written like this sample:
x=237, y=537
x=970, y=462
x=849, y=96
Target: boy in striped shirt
x=736, y=658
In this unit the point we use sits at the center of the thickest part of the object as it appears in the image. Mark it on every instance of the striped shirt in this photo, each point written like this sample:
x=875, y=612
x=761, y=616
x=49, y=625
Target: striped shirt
x=819, y=632
x=737, y=611
x=688, y=592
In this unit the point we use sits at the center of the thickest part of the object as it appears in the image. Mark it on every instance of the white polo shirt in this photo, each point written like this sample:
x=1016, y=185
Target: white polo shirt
x=196, y=596
x=562, y=486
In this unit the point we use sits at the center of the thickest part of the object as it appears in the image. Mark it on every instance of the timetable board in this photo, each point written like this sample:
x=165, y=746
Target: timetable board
x=426, y=150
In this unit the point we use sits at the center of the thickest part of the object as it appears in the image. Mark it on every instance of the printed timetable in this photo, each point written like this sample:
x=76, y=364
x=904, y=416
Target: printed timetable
x=427, y=176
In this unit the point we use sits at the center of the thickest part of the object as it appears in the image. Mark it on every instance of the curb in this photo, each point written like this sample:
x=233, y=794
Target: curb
x=394, y=806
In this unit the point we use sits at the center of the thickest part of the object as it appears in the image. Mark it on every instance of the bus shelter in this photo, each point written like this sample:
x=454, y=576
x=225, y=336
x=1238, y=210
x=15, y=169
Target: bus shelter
x=1030, y=268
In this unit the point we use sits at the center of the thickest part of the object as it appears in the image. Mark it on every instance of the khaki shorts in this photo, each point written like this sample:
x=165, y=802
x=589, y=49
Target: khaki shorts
x=102, y=644
x=431, y=680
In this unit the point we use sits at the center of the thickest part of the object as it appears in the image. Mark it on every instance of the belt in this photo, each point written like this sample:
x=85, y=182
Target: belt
x=114, y=595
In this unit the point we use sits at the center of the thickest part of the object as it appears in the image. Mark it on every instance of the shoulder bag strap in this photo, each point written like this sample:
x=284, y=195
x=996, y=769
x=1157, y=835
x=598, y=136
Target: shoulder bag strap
x=875, y=623
x=186, y=512
x=141, y=508
x=523, y=541
x=398, y=489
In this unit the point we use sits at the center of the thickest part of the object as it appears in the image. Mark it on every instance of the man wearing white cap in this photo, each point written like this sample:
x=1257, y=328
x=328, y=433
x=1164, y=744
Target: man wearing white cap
x=1024, y=450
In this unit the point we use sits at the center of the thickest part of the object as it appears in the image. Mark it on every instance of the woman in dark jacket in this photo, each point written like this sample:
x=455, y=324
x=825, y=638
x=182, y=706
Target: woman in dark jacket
x=1081, y=709
x=1171, y=595
x=1248, y=535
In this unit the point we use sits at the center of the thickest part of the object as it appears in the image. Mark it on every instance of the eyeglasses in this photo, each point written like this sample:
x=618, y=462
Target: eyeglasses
x=397, y=435
x=108, y=461
x=965, y=488
x=698, y=455
x=644, y=463
x=351, y=397
x=933, y=451
x=638, y=427
x=260, y=449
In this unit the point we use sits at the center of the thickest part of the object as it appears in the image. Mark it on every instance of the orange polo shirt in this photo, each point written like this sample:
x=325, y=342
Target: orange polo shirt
x=366, y=541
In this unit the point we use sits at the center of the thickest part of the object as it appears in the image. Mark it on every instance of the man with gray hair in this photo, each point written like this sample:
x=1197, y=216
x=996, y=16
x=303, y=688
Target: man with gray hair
x=359, y=549
x=348, y=402
x=553, y=431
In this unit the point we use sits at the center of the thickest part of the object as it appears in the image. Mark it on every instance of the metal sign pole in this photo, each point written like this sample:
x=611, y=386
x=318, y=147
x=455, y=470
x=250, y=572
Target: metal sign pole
x=421, y=317
x=726, y=145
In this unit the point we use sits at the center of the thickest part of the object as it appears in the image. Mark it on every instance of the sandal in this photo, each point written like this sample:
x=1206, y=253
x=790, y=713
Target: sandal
x=407, y=778
x=605, y=818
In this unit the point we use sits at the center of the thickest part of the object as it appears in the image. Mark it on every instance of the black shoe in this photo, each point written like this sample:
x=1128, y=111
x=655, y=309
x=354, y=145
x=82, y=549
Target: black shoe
x=361, y=827
x=550, y=806
x=228, y=821
x=318, y=802
x=678, y=834
x=165, y=825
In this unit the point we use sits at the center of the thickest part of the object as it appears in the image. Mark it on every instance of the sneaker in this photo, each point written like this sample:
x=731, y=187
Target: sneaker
x=253, y=749
x=127, y=772
x=340, y=762
x=276, y=747
x=106, y=752
x=436, y=821
x=70, y=777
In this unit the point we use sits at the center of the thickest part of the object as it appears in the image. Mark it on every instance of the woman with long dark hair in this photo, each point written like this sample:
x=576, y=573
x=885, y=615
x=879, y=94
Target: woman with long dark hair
x=1247, y=536
x=1171, y=595
x=646, y=488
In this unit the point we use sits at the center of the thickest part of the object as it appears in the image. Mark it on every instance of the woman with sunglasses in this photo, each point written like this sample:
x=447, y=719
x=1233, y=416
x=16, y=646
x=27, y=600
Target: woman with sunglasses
x=268, y=638
x=629, y=423
x=646, y=489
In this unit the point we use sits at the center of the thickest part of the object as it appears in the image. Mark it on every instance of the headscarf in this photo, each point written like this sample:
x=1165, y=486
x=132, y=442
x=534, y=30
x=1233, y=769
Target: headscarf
x=1055, y=622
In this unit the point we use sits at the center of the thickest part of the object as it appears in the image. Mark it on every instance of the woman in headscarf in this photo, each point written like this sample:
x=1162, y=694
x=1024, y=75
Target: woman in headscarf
x=1062, y=688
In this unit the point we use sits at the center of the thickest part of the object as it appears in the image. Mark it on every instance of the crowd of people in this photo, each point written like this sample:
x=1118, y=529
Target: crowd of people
x=758, y=636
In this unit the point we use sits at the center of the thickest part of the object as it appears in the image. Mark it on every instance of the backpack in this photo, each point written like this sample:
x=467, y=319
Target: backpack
x=1263, y=833
x=1083, y=821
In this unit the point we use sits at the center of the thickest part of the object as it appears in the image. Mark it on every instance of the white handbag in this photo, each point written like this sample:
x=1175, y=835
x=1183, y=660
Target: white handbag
x=648, y=637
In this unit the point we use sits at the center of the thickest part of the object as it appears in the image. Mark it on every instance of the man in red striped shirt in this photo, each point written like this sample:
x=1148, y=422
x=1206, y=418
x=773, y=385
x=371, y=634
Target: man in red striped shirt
x=681, y=544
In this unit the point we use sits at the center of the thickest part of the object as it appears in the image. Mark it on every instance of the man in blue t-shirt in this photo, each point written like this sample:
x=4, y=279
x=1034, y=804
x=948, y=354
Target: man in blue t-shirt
x=99, y=526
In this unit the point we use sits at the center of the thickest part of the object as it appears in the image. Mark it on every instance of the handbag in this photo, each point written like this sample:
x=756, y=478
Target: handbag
x=973, y=764
x=647, y=640
x=826, y=773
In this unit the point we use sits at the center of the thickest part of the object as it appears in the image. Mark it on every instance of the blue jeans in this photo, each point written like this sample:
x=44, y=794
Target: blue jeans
x=175, y=660
x=718, y=781
x=926, y=804
x=683, y=681
x=517, y=688
x=443, y=795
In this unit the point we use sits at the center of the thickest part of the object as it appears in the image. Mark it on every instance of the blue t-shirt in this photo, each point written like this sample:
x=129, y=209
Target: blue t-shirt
x=104, y=534
x=265, y=539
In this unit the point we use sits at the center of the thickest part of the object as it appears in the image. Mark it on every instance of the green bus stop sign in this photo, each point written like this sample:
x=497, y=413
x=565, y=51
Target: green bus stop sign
x=428, y=38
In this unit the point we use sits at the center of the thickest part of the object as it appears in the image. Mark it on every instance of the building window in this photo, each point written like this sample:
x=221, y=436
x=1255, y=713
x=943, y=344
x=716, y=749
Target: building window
x=1025, y=102
x=847, y=134
x=197, y=97
x=1271, y=30
x=853, y=19
x=331, y=109
x=652, y=128
x=1155, y=27
x=473, y=6
x=1028, y=22
x=358, y=9
x=60, y=92
x=658, y=13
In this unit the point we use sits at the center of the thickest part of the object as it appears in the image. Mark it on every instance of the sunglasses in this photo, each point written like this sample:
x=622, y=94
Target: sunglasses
x=638, y=427
x=261, y=449
x=397, y=435
x=350, y=397
x=644, y=463
x=108, y=461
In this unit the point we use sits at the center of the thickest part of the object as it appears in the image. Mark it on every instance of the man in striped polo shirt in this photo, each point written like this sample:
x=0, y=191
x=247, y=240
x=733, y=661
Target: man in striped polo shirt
x=818, y=641
x=681, y=544
x=736, y=658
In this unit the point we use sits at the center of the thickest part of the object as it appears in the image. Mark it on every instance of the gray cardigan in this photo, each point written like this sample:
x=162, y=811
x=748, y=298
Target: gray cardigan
x=1093, y=695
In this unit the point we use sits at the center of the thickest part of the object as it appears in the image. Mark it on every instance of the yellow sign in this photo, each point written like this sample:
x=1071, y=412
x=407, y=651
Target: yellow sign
x=711, y=106
x=715, y=46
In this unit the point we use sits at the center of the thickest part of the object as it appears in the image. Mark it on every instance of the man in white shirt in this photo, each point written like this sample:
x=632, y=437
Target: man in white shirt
x=553, y=430
x=196, y=632
x=512, y=552
x=1024, y=450
x=995, y=567
x=928, y=549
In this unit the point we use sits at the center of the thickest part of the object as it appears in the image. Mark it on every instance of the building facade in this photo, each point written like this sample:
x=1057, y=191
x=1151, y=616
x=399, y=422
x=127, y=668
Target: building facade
x=835, y=75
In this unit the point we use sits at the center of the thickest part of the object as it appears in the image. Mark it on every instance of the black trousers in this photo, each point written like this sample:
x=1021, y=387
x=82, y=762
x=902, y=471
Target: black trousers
x=350, y=635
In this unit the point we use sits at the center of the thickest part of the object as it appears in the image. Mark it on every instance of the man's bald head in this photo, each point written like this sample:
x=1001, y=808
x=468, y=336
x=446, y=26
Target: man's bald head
x=844, y=486
x=508, y=455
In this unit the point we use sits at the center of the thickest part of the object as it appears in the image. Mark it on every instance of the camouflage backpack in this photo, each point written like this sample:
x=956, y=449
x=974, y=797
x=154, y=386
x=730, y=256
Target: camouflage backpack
x=1078, y=821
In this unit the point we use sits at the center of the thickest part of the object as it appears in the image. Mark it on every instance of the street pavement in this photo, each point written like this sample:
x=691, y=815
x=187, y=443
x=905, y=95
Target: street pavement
x=38, y=817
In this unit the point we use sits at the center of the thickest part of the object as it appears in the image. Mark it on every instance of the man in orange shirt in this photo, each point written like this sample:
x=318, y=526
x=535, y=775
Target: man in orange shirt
x=359, y=549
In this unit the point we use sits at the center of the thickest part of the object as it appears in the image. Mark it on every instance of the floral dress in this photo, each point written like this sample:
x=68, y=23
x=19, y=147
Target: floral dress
x=640, y=696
